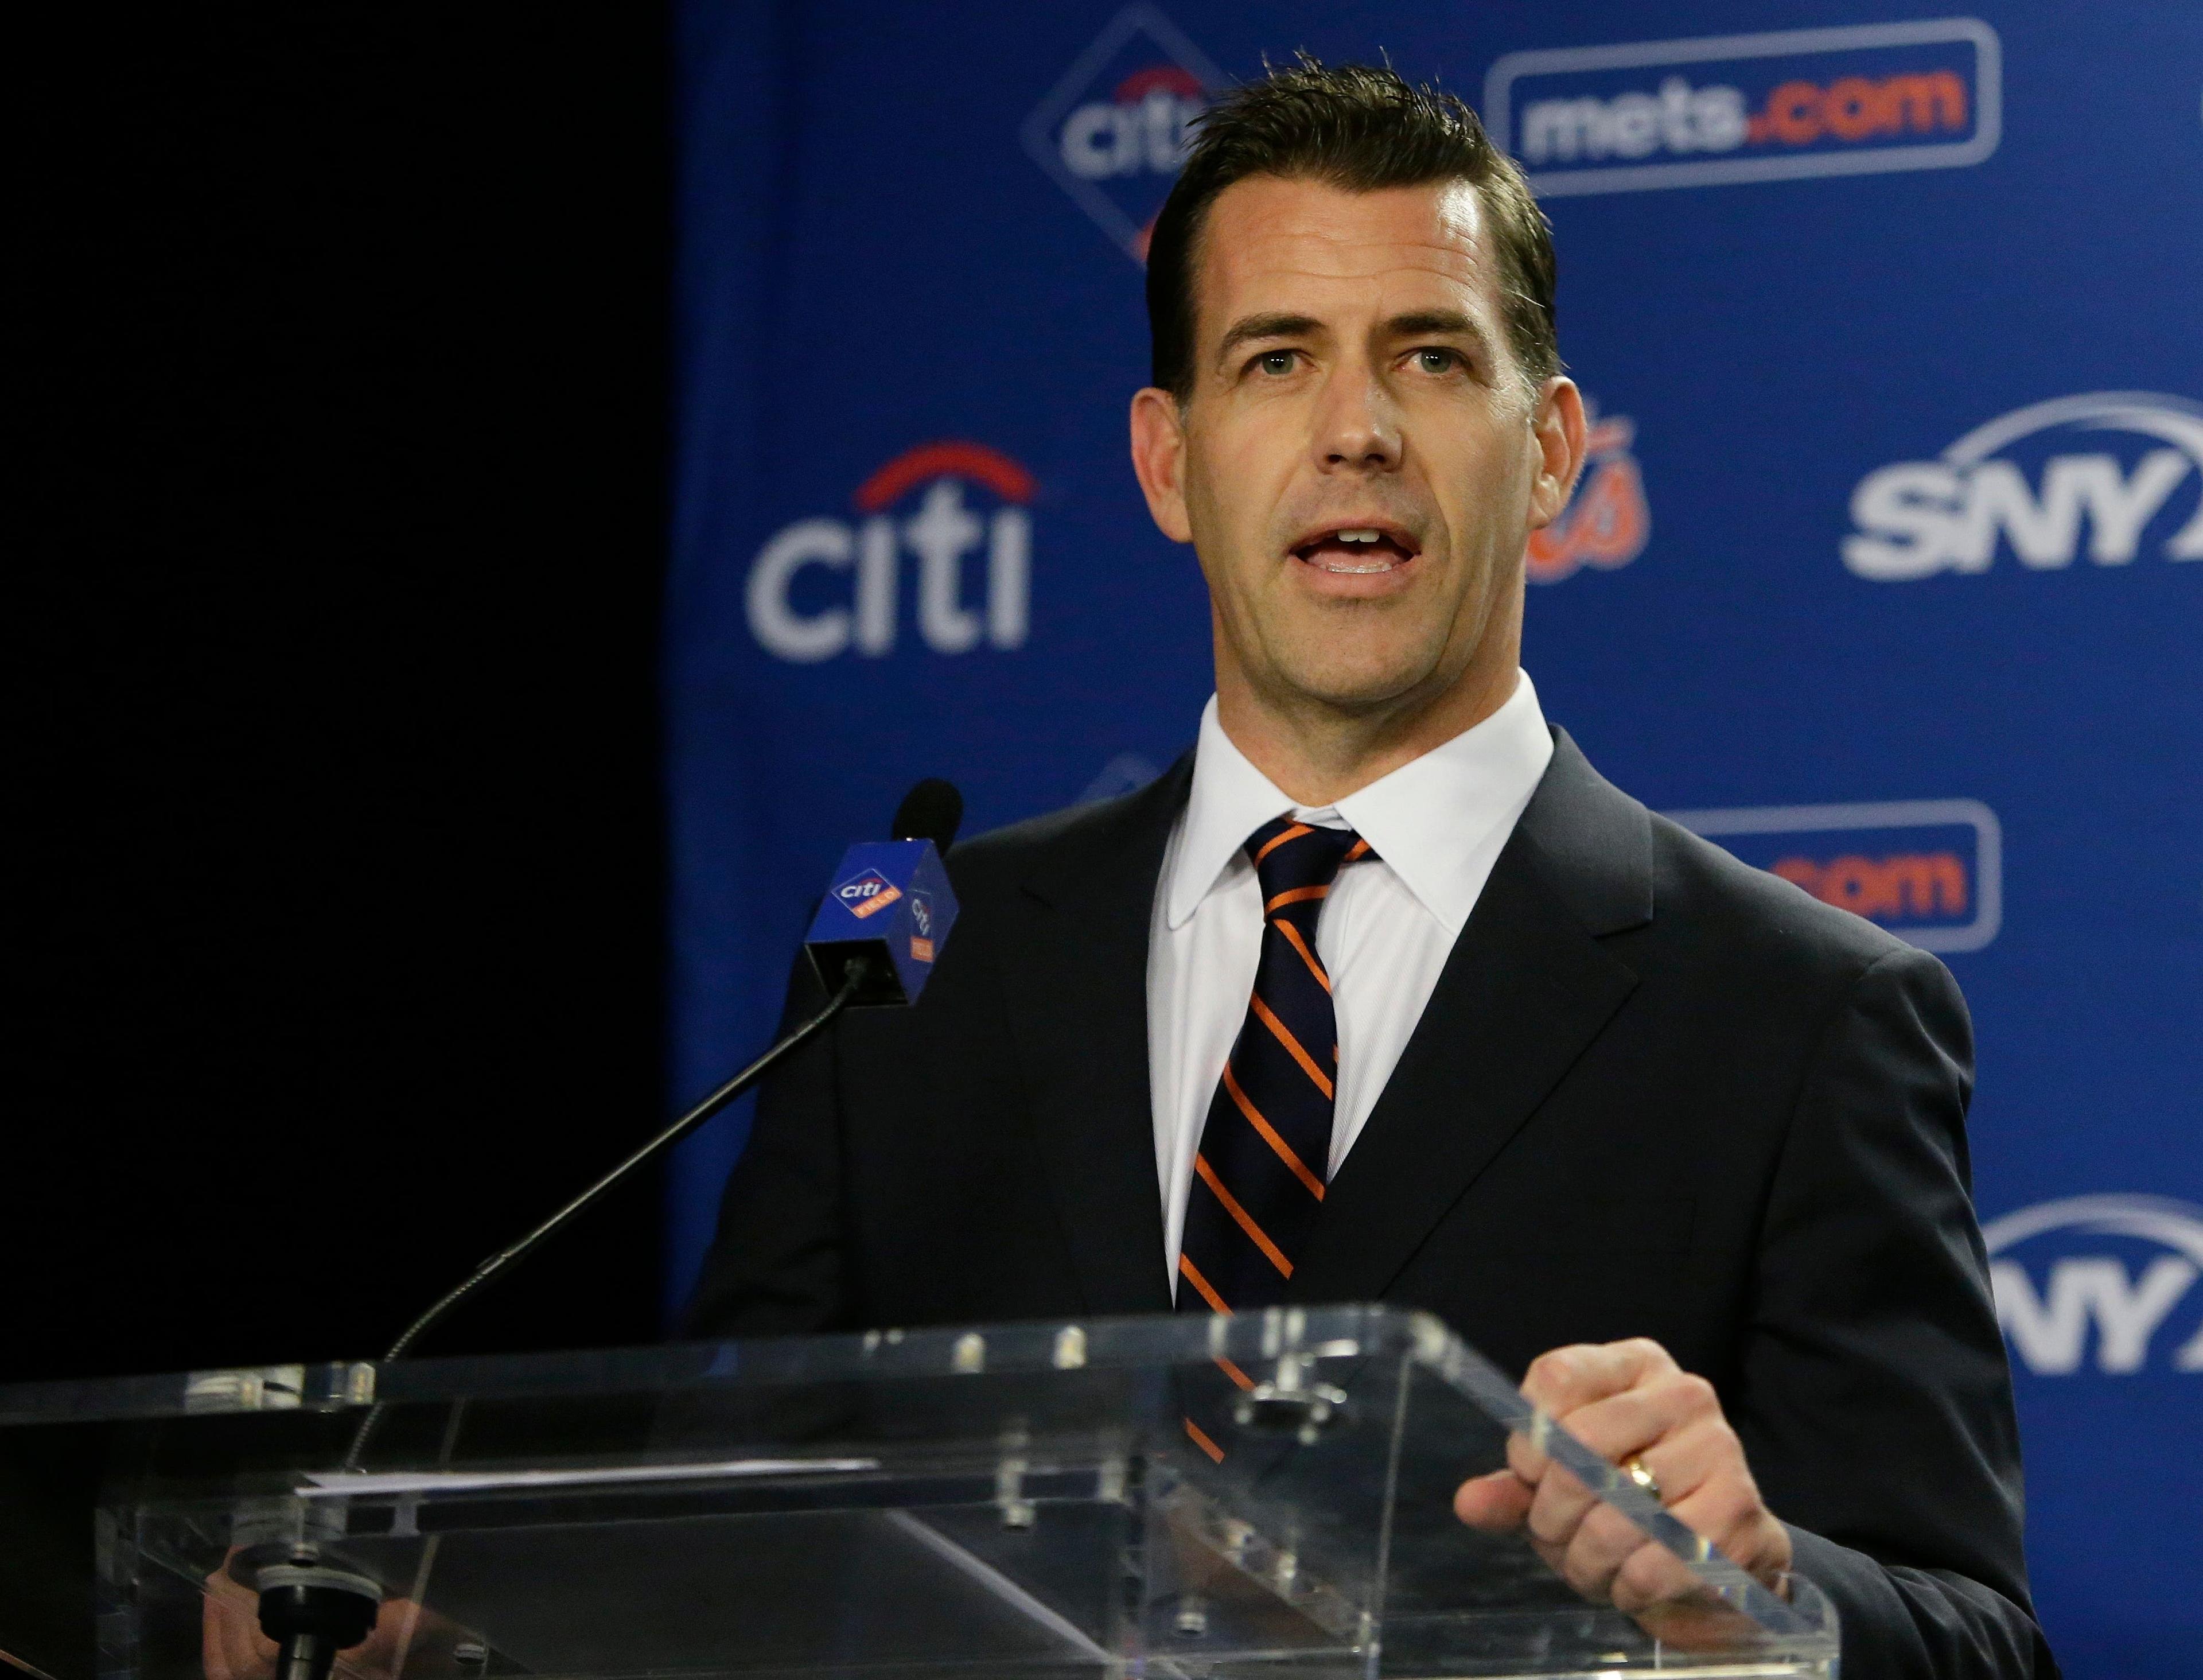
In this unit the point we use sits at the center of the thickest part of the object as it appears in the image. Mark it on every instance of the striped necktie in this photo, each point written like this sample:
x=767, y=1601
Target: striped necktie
x=1264, y=1149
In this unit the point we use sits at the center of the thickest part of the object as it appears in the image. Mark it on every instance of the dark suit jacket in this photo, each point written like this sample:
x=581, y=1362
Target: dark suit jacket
x=1655, y=1093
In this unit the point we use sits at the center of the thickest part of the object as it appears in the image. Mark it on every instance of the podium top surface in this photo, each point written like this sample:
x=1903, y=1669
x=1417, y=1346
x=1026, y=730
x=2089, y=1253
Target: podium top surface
x=996, y=1350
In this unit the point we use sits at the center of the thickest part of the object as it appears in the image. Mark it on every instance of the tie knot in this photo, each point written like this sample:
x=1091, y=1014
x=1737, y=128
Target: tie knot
x=1300, y=859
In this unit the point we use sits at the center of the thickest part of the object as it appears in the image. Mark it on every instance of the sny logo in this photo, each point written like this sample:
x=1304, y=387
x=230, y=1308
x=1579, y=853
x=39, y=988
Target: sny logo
x=803, y=617
x=2122, y=1265
x=867, y=894
x=1738, y=108
x=1930, y=870
x=1114, y=131
x=1916, y=519
x=1608, y=524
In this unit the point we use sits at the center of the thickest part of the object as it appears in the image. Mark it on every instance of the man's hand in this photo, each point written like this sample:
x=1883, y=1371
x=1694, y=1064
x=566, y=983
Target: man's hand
x=1624, y=1400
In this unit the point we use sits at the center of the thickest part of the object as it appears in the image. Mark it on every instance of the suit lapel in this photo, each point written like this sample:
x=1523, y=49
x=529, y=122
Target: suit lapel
x=1525, y=990
x=1078, y=1011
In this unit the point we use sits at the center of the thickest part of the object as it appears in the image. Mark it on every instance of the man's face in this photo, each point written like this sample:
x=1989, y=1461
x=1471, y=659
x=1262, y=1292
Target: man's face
x=1361, y=459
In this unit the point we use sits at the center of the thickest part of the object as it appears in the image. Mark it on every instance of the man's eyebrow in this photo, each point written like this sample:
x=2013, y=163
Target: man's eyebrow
x=1434, y=321
x=1250, y=329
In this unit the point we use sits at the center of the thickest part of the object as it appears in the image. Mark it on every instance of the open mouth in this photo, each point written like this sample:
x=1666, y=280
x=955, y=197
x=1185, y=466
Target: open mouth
x=1357, y=551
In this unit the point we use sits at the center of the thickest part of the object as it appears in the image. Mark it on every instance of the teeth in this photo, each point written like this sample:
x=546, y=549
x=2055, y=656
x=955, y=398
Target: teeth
x=1365, y=536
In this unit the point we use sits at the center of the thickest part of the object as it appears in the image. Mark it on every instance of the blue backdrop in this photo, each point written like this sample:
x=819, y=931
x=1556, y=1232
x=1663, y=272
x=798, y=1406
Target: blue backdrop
x=1888, y=574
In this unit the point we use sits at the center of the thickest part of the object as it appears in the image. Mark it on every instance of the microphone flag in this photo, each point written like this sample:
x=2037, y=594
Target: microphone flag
x=890, y=901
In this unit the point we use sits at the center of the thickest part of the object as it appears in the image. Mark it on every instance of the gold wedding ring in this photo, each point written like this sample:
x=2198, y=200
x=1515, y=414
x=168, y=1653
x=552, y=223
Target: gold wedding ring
x=1635, y=1470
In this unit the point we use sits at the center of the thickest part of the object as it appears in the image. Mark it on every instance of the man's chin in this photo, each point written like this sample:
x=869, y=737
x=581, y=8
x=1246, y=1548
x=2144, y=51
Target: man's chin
x=1358, y=687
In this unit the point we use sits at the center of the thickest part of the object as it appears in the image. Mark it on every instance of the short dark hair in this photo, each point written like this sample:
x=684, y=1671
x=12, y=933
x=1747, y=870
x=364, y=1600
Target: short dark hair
x=1361, y=128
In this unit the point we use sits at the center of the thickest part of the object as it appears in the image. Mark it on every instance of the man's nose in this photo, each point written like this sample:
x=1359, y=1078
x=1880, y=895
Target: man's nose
x=1357, y=428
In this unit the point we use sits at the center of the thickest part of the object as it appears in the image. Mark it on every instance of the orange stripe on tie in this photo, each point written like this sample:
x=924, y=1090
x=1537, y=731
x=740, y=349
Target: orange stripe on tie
x=1192, y=1274
x=1293, y=939
x=1298, y=895
x=1276, y=841
x=1355, y=853
x=1293, y=1045
x=1235, y=1373
x=1199, y=1436
x=1284, y=1151
x=1256, y=1234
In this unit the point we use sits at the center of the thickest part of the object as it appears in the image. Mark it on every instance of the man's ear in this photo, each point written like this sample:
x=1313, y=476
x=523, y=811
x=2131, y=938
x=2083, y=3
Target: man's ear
x=1158, y=460
x=1558, y=426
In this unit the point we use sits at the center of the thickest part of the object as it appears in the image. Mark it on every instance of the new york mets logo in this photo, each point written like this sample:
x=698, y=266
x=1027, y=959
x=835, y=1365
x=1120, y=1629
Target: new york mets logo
x=1608, y=523
x=867, y=894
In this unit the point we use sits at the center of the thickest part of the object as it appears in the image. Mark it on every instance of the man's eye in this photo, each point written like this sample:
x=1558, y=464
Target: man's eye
x=1276, y=363
x=1438, y=360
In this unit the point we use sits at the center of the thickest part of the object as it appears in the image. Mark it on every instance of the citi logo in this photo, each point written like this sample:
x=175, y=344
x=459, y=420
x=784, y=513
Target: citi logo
x=1736, y=107
x=823, y=587
x=1608, y=524
x=2112, y=1276
x=1931, y=871
x=1114, y=132
x=1141, y=128
x=867, y=894
x=2107, y=474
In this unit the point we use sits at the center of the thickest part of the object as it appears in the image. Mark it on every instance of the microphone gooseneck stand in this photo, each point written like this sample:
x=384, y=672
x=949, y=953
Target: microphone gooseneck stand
x=311, y=1609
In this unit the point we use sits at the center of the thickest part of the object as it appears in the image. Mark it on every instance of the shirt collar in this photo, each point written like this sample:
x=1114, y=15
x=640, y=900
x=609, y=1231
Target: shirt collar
x=1430, y=820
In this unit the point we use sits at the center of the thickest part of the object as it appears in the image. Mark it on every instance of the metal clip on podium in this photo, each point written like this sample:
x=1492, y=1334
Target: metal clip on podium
x=1019, y=1500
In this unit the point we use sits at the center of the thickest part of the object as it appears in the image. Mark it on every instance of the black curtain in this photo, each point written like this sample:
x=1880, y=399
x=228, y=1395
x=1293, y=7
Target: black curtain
x=339, y=933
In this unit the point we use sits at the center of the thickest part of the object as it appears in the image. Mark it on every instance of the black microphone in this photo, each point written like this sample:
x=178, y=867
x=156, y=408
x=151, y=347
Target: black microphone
x=899, y=889
x=930, y=811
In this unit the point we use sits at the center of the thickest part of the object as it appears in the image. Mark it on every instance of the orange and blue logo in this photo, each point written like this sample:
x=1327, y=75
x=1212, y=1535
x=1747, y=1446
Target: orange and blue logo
x=1608, y=523
x=823, y=587
x=1778, y=106
x=867, y=894
x=1930, y=870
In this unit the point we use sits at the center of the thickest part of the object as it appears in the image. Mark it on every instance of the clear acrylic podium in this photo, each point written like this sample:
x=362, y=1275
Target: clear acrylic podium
x=1264, y=1495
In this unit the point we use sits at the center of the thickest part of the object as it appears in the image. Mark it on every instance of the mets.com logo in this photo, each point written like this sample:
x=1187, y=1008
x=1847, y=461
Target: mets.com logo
x=1735, y=108
x=823, y=587
x=1113, y=132
x=2110, y=1275
x=2123, y=467
x=1931, y=871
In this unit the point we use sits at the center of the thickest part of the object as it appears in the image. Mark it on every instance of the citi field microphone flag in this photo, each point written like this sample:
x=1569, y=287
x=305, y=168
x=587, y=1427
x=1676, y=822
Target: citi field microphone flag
x=1887, y=572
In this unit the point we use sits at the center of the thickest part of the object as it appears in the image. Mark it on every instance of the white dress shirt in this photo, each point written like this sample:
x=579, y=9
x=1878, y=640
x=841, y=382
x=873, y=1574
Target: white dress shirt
x=1436, y=826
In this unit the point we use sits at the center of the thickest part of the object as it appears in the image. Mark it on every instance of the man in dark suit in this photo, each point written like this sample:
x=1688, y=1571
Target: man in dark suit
x=1383, y=994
